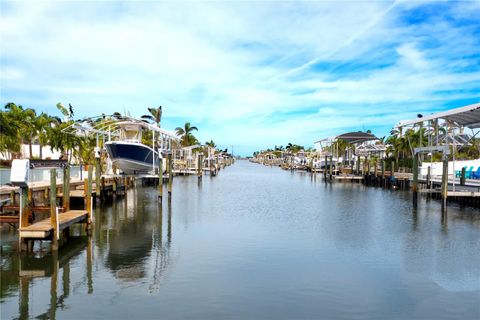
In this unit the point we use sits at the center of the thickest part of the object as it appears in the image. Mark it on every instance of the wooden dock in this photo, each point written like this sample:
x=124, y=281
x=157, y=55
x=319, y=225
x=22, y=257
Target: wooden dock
x=44, y=229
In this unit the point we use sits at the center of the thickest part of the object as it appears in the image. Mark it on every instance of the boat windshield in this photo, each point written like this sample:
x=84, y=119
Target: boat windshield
x=131, y=133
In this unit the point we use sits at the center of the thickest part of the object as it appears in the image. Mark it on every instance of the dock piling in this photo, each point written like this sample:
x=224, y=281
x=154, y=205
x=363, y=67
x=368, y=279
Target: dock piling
x=170, y=173
x=66, y=188
x=53, y=209
x=415, y=178
x=88, y=199
x=98, y=174
x=160, y=178
x=444, y=182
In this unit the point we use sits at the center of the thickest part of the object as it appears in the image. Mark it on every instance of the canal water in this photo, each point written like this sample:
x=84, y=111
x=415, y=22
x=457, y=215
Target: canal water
x=255, y=243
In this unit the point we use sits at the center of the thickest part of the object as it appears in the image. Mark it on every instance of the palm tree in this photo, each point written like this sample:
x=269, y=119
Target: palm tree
x=211, y=144
x=11, y=124
x=43, y=125
x=187, y=138
x=27, y=128
x=155, y=115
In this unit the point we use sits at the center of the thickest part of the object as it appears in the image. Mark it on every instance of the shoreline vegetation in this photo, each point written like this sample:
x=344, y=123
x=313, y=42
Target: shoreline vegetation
x=398, y=148
x=19, y=125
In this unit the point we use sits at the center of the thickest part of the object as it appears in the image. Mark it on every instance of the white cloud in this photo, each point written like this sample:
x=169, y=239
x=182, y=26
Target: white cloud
x=226, y=65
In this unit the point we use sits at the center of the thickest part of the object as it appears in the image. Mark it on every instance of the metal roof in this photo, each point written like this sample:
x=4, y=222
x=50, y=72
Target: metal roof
x=356, y=137
x=468, y=116
x=350, y=137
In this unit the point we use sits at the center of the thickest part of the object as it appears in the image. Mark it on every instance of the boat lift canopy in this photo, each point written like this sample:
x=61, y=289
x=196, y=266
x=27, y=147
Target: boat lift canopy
x=468, y=116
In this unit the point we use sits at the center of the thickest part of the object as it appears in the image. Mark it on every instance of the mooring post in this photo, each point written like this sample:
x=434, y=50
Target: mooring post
x=330, y=168
x=170, y=173
x=367, y=158
x=114, y=187
x=23, y=216
x=89, y=197
x=160, y=177
x=383, y=169
x=66, y=188
x=199, y=166
x=358, y=166
x=392, y=169
x=444, y=181
x=429, y=176
x=53, y=209
x=325, y=167
x=463, y=176
x=415, y=178
x=98, y=174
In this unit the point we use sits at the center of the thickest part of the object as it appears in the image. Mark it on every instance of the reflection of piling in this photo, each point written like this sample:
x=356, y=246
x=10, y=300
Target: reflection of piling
x=53, y=286
x=23, y=297
x=89, y=266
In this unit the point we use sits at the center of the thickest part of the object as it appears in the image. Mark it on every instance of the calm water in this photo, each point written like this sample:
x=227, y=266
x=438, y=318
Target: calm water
x=257, y=243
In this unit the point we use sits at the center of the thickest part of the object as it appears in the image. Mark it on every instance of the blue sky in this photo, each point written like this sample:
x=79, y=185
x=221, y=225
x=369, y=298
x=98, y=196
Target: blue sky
x=248, y=74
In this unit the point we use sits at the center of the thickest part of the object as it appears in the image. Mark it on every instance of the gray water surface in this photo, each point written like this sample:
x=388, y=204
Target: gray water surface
x=256, y=243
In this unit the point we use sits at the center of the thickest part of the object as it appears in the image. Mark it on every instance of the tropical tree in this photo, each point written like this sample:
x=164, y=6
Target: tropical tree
x=186, y=136
x=211, y=144
x=11, y=124
x=43, y=126
x=154, y=116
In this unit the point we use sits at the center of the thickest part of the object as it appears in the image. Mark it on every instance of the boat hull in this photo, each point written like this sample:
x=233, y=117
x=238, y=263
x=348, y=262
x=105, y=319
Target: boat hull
x=132, y=158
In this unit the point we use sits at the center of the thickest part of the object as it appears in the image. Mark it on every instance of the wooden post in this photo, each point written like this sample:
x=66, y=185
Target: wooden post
x=392, y=169
x=98, y=174
x=12, y=197
x=444, y=181
x=53, y=209
x=415, y=179
x=429, y=176
x=383, y=169
x=199, y=166
x=330, y=171
x=89, y=196
x=170, y=173
x=29, y=205
x=160, y=177
x=368, y=164
x=66, y=188
x=358, y=166
x=463, y=176
x=325, y=166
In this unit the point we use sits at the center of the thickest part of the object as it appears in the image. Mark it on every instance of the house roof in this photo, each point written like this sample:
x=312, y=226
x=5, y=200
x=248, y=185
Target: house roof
x=356, y=137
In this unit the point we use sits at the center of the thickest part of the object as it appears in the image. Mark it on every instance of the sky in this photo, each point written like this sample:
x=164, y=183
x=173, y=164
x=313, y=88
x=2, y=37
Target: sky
x=250, y=75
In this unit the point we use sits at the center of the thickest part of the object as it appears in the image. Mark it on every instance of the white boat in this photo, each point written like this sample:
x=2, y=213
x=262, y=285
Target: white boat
x=130, y=155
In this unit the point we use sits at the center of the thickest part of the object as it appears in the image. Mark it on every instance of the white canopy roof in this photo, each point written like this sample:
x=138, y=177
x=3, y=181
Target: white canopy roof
x=468, y=116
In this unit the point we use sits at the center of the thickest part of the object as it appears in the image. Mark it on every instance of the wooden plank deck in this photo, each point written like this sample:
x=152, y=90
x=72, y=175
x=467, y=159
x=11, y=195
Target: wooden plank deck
x=43, y=228
x=347, y=177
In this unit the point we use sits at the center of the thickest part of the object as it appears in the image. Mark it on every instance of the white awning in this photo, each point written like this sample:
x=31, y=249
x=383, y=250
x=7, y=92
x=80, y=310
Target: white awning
x=468, y=116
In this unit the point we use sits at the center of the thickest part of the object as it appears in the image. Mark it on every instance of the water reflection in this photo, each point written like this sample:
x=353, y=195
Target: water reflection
x=22, y=271
x=250, y=239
